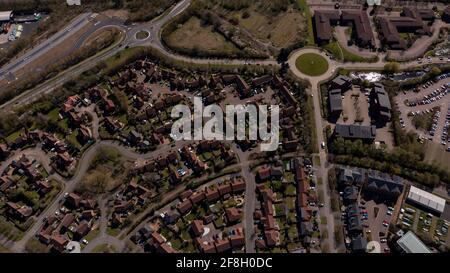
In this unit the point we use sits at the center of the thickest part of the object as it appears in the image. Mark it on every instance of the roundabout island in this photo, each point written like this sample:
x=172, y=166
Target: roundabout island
x=311, y=64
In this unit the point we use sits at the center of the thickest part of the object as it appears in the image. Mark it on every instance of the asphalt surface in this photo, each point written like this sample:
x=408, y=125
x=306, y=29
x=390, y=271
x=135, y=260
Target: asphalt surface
x=48, y=44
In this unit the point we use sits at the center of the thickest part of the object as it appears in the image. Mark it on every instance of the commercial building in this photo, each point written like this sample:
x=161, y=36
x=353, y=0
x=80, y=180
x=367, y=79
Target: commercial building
x=426, y=200
x=409, y=243
x=354, y=131
x=359, y=20
x=6, y=16
x=323, y=20
x=411, y=21
x=381, y=103
x=335, y=97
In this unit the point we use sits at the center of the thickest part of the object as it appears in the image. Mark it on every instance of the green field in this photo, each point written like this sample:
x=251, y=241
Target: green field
x=312, y=64
x=342, y=54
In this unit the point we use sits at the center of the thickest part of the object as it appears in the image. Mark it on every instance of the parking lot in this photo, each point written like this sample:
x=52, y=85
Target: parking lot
x=355, y=107
x=376, y=222
x=422, y=101
x=425, y=224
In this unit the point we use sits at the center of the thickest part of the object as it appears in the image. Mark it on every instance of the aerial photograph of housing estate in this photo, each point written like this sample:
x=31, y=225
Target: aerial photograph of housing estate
x=238, y=126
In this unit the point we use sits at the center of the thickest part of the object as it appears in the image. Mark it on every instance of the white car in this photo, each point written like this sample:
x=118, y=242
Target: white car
x=84, y=241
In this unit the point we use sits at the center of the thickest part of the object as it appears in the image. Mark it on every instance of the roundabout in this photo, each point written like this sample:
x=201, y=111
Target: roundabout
x=142, y=35
x=312, y=64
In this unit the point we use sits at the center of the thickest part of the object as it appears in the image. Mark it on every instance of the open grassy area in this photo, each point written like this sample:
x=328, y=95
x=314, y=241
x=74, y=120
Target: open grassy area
x=141, y=35
x=307, y=13
x=3, y=249
x=436, y=153
x=194, y=37
x=104, y=248
x=312, y=64
x=282, y=30
x=342, y=54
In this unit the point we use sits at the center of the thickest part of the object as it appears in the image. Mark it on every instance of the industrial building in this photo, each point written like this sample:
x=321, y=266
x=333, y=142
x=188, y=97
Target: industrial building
x=426, y=200
x=409, y=243
x=6, y=16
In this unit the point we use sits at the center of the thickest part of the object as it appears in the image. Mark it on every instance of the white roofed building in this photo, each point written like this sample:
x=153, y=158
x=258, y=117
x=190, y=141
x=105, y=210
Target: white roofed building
x=73, y=2
x=409, y=243
x=6, y=16
x=426, y=200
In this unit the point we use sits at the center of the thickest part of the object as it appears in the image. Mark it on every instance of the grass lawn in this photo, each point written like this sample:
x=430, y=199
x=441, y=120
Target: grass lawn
x=305, y=8
x=3, y=249
x=14, y=135
x=8, y=230
x=104, y=248
x=290, y=190
x=342, y=54
x=312, y=64
x=141, y=35
x=92, y=235
x=112, y=231
x=281, y=30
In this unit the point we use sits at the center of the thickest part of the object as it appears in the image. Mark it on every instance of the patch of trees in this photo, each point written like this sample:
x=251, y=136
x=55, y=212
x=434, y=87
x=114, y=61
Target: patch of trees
x=399, y=162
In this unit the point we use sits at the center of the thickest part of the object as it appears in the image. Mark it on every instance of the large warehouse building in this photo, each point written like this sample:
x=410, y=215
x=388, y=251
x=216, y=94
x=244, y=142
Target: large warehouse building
x=426, y=200
x=409, y=243
x=6, y=16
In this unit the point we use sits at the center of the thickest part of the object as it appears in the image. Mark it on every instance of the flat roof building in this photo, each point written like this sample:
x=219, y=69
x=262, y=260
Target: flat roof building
x=382, y=104
x=426, y=200
x=6, y=15
x=409, y=243
x=354, y=131
x=73, y=2
x=335, y=97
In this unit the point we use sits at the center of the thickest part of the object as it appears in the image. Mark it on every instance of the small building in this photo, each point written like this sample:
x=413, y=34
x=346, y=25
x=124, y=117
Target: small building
x=73, y=2
x=381, y=103
x=359, y=244
x=335, y=98
x=342, y=83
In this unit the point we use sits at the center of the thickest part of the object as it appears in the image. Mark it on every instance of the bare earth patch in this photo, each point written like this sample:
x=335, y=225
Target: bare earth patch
x=193, y=35
x=282, y=30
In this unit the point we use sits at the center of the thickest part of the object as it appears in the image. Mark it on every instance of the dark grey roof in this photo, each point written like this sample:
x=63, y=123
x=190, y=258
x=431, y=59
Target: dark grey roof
x=359, y=244
x=383, y=181
x=350, y=193
x=342, y=80
x=382, y=96
x=354, y=131
x=335, y=100
x=350, y=175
